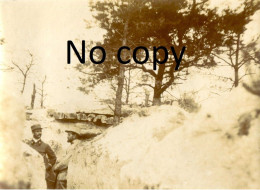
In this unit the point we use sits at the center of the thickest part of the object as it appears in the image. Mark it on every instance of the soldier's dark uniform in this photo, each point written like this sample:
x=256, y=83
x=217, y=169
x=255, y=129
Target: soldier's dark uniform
x=49, y=160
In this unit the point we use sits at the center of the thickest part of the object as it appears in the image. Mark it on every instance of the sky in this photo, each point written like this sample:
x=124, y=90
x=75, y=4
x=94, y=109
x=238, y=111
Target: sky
x=43, y=28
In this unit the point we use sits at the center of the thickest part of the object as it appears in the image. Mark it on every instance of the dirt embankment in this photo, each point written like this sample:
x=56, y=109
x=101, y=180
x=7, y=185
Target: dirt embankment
x=20, y=165
x=218, y=147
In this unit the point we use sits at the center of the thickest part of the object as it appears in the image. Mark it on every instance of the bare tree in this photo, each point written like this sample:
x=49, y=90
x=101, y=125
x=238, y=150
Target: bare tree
x=41, y=91
x=33, y=96
x=24, y=71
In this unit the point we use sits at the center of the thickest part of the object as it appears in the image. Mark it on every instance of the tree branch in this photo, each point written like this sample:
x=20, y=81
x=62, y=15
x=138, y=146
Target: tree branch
x=145, y=84
x=143, y=68
x=18, y=67
x=222, y=59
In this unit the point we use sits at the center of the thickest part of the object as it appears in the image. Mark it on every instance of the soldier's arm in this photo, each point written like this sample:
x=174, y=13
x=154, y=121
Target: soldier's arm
x=51, y=155
x=63, y=164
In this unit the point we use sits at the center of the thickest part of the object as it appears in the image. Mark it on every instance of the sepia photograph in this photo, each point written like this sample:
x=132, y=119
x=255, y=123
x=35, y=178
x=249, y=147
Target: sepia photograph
x=129, y=94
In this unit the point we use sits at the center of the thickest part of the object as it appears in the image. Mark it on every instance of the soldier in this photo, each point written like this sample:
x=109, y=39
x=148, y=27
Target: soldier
x=62, y=166
x=47, y=153
x=75, y=135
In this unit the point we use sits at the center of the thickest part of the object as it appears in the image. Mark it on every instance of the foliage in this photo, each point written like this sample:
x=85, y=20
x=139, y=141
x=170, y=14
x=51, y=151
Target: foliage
x=188, y=102
x=234, y=52
x=175, y=23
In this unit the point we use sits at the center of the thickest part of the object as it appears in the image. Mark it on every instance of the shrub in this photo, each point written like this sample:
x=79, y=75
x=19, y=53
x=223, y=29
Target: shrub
x=188, y=102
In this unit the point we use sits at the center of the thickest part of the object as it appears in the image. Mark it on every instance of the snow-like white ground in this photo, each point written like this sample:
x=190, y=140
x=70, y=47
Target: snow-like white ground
x=20, y=165
x=174, y=149
x=163, y=147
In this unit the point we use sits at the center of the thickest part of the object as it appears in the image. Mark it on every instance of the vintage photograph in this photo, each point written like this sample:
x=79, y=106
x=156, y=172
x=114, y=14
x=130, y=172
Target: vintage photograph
x=130, y=94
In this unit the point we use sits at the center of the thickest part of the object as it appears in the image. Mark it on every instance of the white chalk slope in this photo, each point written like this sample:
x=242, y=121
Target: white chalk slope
x=20, y=165
x=219, y=147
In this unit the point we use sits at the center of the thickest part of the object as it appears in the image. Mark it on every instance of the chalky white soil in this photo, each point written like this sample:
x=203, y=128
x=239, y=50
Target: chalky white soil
x=20, y=165
x=171, y=148
x=159, y=147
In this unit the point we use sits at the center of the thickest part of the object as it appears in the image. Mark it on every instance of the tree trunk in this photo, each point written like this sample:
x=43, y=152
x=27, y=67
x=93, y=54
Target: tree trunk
x=236, y=68
x=42, y=102
x=146, y=101
x=33, y=96
x=118, y=102
x=128, y=83
x=236, y=79
x=127, y=98
x=157, y=91
x=158, y=86
x=42, y=91
x=24, y=81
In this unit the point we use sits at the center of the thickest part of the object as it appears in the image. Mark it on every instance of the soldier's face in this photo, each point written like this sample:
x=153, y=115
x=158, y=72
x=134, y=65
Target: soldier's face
x=71, y=136
x=37, y=133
